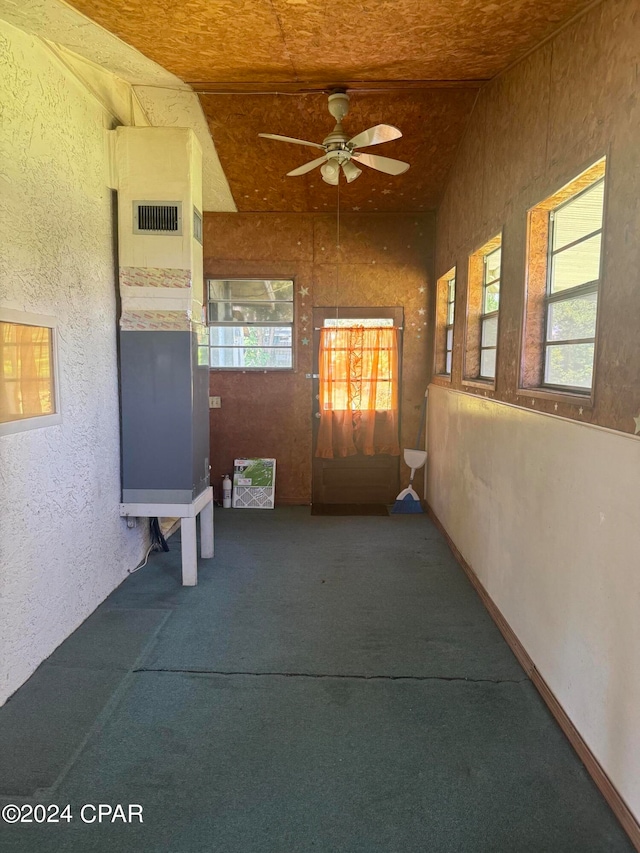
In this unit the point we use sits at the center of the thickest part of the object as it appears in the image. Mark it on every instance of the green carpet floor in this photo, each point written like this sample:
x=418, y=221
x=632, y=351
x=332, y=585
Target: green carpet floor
x=332, y=684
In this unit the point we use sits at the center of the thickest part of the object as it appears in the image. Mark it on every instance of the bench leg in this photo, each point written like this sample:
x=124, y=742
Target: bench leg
x=189, y=551
x=206, y=531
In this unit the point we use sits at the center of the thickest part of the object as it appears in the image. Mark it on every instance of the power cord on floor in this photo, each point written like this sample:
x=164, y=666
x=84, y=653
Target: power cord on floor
x=158, y=543
x=146, y=557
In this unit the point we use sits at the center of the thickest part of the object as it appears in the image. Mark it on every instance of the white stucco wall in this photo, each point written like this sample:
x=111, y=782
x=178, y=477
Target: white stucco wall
x=63, y=546
x=545, y=512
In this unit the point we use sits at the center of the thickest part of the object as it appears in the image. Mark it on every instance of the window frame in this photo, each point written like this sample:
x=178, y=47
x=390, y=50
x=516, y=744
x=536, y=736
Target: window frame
x=533, y=317
x=257, y=324
x=443, y=304
x=450, y=307
x=569, y=293
x=389, y=379
x=380, y=312
x=24, y=318
x=476, y=316
x=489, y=315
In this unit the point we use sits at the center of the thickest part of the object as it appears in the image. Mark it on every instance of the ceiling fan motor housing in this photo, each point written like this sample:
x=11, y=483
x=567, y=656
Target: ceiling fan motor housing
x=339, y=151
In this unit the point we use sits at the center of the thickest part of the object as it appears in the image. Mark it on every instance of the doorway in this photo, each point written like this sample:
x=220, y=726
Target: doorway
x=357, y=373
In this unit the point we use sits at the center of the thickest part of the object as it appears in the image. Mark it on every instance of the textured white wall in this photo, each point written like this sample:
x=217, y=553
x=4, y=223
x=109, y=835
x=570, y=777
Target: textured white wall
x=63, y=546
x=545, y=511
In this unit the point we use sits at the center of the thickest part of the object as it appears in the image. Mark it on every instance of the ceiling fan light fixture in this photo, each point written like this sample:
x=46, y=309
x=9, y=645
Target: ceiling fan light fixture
x=330, y=172
x=351, y=171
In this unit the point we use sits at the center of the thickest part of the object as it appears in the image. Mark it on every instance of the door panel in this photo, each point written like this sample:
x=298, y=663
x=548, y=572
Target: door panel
x=355, y=479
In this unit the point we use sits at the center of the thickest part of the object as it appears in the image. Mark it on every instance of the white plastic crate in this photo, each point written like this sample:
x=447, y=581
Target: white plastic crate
x=254, y=483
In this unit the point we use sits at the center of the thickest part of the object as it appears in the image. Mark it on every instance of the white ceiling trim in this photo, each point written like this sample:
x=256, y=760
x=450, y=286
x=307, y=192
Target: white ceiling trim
x=58, y=22
x=172, y=108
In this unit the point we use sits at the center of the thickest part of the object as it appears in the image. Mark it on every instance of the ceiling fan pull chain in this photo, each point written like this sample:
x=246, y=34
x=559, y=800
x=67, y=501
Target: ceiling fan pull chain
x=338, y=250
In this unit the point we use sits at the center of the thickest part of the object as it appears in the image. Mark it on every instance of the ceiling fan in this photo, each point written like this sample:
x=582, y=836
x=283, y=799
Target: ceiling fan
x=340, y=149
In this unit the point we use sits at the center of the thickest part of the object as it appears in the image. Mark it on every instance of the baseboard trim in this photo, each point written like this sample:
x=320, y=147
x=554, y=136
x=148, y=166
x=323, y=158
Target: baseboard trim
x=593, y=766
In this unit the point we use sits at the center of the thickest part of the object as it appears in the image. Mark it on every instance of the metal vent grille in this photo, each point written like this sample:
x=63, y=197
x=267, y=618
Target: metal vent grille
x=160, y=217
x=197, y=225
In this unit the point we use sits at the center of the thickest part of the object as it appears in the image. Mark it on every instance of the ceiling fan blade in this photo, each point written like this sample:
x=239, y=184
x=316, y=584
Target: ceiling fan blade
x=290, y=139
x=382, y=164
x=375, y=135
x=302, y=170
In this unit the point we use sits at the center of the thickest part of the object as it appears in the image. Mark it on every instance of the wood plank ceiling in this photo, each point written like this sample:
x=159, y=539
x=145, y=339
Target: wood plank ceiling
x=409, y=63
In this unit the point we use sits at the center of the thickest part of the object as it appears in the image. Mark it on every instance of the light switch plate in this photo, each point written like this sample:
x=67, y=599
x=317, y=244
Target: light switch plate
x=214, y=403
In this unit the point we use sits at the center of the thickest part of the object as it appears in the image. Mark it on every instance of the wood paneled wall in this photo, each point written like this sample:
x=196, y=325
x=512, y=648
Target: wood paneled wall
x=534, y=129
x=384, y=259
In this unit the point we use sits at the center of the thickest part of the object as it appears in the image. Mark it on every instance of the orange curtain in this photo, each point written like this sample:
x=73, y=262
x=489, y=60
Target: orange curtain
x=358, y=369
x=26, y=388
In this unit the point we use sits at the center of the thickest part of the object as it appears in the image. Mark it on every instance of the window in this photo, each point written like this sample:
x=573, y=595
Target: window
x=489, y=318
x=197, y=225
x=573, y=279
x=28, y=397
x=445, y=315
x=483, y=304
x=251, y=324
x=451, y=309
x=564, y=285
x=358, y=372
x=358, y=367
